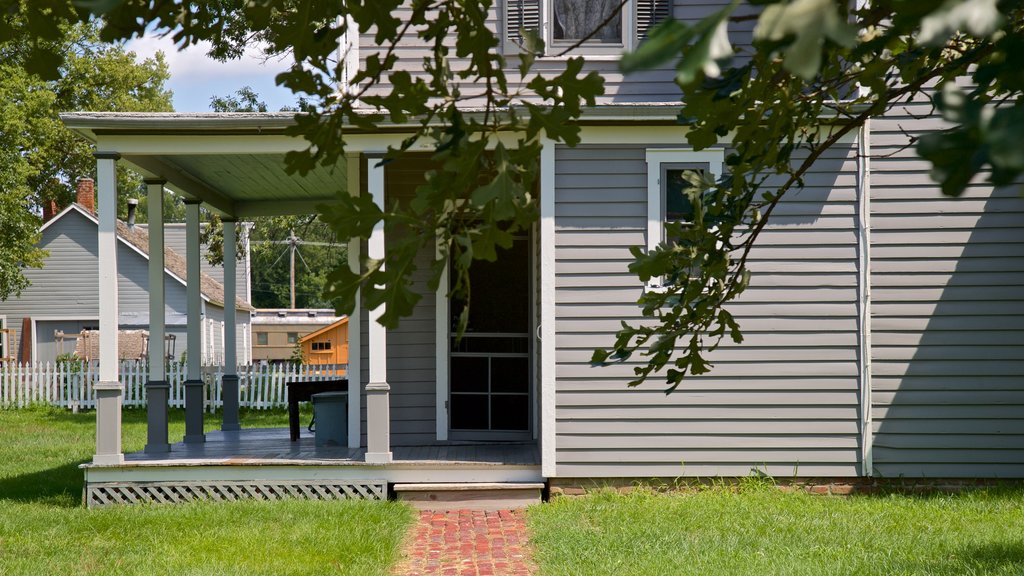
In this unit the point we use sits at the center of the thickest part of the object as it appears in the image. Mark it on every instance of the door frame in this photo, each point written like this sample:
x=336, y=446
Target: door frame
x=442, y=354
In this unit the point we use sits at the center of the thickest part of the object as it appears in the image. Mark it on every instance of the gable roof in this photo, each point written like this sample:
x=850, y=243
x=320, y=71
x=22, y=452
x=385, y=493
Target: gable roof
x=174, y=264
x=324, y=330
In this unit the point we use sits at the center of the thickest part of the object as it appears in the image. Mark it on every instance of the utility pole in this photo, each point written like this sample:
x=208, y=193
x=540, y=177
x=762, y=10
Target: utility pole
x=292, y=244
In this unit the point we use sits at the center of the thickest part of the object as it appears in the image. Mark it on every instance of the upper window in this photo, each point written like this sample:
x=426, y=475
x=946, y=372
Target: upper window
x=321, y=346
x=261, y=339
x=603, y=26
x=670, y=174
x=293, y=337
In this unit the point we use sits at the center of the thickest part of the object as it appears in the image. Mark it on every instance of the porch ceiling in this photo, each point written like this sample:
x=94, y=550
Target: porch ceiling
x=244, y=185
x=233, y=163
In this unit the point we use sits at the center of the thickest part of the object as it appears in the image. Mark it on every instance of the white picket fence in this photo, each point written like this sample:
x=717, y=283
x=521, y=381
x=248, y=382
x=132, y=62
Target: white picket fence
x=72, y=385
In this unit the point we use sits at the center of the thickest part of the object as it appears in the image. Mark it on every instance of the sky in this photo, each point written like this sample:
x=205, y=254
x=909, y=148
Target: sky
x=195, y=79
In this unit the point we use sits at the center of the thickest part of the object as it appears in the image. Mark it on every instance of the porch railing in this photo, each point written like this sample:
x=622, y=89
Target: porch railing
x=71, y=384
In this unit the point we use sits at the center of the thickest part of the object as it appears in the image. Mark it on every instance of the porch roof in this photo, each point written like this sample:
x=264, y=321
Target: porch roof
x=232, y=162
x=235, y=162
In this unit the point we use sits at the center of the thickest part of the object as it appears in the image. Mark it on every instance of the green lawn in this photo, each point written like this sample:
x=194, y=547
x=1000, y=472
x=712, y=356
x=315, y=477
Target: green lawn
x=761, y=531
x=45, y=530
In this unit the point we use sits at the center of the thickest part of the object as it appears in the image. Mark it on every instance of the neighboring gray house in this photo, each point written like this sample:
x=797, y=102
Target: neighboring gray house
x=884, y=323
x=62, y=296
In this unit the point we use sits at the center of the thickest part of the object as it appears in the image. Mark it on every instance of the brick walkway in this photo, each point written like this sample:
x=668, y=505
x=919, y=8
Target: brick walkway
x=468, y=543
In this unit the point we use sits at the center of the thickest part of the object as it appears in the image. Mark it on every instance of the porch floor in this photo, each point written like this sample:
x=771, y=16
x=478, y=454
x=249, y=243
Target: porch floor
x=264, y=463
x=271, y=446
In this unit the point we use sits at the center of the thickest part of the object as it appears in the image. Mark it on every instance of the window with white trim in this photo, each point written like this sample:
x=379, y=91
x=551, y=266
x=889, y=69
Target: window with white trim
x=667, y=180
x=563, y=23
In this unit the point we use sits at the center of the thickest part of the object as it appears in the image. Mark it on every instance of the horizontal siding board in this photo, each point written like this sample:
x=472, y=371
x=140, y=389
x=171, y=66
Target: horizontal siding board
x=961, y=278
x=945, y=382
x=952, y=441
x=672, y=427
x=967, y=369
x=911, y=411
x=938, y=456
x=700, y=469
x=971, y=397
x=752, y=341
x=716, y=455
x=731, y=370
x=749, y=322
x=755, y=414
x=949, y=323
x=761, y=439
x=949, y=470
x=942, y=427
x=638, y=398
x=735, y=354
x=928, y=350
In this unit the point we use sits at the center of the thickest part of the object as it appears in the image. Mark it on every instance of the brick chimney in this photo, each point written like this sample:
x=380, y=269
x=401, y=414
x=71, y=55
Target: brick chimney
x=85, y=194
x=49, y=210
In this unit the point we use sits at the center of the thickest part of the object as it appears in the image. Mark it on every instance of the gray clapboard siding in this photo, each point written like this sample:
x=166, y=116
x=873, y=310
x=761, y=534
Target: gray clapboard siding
x=411, y=353
x=66, y=286
x=648, y=86
x=786, y=399
x=948, y=315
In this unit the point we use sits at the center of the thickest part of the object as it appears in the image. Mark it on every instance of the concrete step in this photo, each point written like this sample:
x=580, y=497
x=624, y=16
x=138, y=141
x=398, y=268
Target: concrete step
x=470, y=495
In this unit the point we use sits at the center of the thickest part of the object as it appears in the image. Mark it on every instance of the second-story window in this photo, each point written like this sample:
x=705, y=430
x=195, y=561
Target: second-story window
x=595, y=20
x=603, y=26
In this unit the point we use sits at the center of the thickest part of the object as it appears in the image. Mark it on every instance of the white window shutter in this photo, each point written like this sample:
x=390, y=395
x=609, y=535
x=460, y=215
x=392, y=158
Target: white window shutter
x=521, y=15
x=648, y=14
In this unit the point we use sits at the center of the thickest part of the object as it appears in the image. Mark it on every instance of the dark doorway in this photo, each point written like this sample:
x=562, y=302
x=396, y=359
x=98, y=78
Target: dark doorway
x=489, y=383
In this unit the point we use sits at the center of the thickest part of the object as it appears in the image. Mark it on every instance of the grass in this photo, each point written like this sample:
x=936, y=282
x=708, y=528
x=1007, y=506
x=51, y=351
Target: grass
x=760, y=530
x=45, y=530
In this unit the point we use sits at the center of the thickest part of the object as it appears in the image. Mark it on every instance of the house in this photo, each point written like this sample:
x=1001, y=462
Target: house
x=328, y=345
x=883, y=323
x=277, y=332
x=60, y=304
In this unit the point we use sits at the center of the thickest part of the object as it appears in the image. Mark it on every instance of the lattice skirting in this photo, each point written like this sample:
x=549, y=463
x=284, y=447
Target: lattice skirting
x=107, y=493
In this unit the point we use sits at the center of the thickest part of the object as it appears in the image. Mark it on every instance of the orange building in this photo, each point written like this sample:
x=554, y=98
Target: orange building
x=328, y=345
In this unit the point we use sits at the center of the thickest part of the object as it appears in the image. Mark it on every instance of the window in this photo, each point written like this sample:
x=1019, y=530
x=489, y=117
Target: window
x=321, y=346
x=261, y=339
x=562, y=23
x=293, y=337
x=574, y=20
x=669, y=173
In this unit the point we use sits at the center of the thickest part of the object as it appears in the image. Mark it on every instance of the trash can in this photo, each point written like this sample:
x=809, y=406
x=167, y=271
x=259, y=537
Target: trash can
x=330, y=413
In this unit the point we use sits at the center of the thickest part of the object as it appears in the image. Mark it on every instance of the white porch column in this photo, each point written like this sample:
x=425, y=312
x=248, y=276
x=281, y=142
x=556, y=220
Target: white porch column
x=157, y=387
x=378, y=409
x=354, y=370
x=229, y=381
x=547, y=309
x=194, y=346
x=108, y=389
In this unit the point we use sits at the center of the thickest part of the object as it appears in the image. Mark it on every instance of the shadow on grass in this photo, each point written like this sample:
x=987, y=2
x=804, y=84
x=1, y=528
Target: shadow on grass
x=995, y=556
x=60, y=486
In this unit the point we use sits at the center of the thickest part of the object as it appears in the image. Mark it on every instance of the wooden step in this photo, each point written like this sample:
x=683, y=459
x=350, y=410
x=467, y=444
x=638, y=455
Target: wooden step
x=470, y=495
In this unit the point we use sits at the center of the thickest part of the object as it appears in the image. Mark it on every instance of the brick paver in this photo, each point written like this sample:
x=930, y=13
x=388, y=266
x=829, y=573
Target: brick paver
x=468, y=543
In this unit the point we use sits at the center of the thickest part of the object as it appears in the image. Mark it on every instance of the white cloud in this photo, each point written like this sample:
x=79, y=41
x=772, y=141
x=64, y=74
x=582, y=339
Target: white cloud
x=195, y=77
x=192, y=63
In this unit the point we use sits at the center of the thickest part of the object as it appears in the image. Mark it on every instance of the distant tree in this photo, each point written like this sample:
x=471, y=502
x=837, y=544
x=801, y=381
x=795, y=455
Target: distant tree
x=317, y=248
x=245, y=99
x=40, y=159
